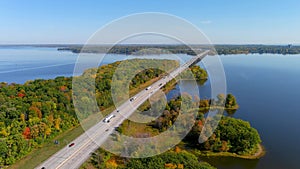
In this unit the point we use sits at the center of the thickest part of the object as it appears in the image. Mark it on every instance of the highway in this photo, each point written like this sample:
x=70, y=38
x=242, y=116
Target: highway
x=71, y=157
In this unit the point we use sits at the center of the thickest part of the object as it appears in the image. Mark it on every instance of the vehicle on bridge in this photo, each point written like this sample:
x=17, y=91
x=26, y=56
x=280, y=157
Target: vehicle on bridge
x=148, y=88
x=108, y=118
x=72, y=144
x=132, y=99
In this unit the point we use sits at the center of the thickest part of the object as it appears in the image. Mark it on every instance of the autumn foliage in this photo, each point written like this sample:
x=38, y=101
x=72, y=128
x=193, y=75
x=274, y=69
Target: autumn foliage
x=26, y=133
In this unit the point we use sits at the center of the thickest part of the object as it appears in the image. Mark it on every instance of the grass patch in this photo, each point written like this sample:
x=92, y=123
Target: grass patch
x=134, y=129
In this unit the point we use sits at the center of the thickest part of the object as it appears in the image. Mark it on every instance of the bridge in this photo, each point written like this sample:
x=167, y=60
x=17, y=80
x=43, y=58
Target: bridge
x=75, y=154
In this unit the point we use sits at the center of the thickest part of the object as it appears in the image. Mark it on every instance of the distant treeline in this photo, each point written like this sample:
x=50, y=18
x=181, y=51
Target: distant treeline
x=259, y=49
x=184, y=49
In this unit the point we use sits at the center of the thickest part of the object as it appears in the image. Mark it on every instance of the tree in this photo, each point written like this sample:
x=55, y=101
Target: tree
x=231, y=102
x=57, y=123
x=233, y=135
x=26, y=133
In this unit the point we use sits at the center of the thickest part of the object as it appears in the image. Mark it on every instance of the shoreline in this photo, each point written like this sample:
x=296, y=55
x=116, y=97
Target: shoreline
x=257, y=155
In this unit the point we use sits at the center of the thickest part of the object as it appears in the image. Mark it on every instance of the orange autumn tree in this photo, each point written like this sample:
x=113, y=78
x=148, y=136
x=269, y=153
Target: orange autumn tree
x=21, y=93
x=35, y=108
x=26, y=133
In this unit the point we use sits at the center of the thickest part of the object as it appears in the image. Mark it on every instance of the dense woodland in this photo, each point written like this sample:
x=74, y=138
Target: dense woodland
x=183, y=49
x=37, y=111
x=232, y=135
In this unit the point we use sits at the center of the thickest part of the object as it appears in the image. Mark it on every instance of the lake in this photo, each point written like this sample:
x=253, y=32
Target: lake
x=266, y=87
x=267, y=90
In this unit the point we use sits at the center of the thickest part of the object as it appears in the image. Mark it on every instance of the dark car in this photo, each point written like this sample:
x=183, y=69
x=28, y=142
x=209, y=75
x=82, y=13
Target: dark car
x=72, y=144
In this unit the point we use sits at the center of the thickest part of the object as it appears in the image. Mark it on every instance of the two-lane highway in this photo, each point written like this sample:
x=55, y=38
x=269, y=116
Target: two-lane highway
x=72, y=157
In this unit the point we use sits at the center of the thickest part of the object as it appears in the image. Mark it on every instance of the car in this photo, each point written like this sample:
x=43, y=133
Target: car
x=43, y=168
x=132, y=99
x=71, y=145
x=118, y=110
x=108, y=118
x=106, y=129
x=148, y=88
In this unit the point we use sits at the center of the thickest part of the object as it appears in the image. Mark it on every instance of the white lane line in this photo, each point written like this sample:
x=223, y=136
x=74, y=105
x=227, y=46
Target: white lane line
x=83, y=146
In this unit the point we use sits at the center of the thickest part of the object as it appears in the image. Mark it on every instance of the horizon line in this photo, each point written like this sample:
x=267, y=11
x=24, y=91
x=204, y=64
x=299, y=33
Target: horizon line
x=138, y=44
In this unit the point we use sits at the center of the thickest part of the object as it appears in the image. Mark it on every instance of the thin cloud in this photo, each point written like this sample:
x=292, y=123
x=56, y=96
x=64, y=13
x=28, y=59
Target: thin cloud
x=206, y=22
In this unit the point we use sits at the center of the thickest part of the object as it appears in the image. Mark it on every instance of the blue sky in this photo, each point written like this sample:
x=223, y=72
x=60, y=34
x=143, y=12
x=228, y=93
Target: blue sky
x=223, y=21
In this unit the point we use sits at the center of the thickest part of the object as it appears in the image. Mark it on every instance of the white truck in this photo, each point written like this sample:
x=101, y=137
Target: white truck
x=108, y=118
x=148, y=88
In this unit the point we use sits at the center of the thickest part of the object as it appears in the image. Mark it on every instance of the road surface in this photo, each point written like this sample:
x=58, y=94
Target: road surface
x=71, y=157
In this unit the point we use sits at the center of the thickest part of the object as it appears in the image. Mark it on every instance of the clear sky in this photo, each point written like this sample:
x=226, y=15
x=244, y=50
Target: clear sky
x=223, y=21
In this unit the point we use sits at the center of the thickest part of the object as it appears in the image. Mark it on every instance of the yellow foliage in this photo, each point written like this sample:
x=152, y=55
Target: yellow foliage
x=57, y=123
x=180, y=166
x=37, y=104
x=177, y=149
x=51, y=119
x=48, y=131
x=111, y=164
x=22, y=116
x=170, y=165
x=3, y=133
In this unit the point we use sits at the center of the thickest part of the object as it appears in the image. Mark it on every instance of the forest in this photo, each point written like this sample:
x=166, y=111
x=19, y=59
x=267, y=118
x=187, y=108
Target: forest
x=35, y=112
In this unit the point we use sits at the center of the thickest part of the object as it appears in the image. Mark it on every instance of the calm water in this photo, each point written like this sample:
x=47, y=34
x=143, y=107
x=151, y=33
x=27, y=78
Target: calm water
x=19, y=64
x=266, y=86
x=267, y=90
